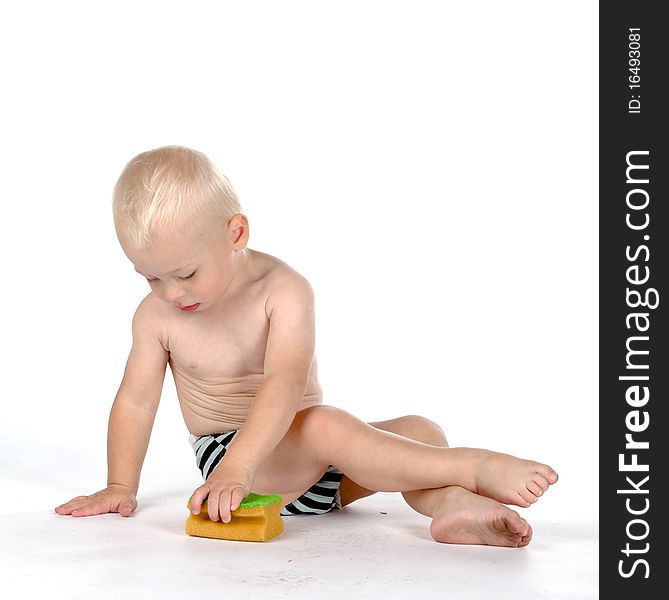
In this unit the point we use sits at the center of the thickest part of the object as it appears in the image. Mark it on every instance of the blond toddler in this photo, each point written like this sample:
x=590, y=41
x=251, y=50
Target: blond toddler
x=236, y=327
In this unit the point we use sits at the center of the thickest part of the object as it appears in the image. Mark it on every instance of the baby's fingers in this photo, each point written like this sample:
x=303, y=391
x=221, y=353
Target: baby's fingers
x=66, y=508
x=238, y=494
x=96, y=505
x=230, y=501
x=224, y=505
x=104, y=501
x=87, y=510
x=198, y=498
x=78, y=509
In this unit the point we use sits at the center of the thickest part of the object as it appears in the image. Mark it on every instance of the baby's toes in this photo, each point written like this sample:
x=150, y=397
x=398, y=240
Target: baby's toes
x=541, y=481
x=526, y=538
x=527, y=496
x=515, y=523
x=547, y=473
x=534, y=488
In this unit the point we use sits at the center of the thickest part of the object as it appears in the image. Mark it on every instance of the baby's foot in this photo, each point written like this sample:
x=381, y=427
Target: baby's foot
x=466, y=518
x=511, y=480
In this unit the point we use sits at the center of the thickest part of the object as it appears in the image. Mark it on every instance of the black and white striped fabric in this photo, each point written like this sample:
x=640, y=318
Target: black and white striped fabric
x=320, y=498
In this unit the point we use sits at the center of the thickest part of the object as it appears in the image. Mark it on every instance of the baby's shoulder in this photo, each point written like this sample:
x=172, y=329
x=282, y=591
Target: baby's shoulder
x=282, y=282
x=150, y=308
x=151, y=318
x=277, y=273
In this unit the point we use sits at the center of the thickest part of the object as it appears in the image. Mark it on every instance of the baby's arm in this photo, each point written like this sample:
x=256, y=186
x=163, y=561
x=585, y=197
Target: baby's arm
x=130, y=422
x=288, y=358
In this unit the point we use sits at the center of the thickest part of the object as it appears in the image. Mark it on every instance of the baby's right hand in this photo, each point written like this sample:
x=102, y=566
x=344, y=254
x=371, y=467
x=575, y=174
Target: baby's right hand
x=113, y=499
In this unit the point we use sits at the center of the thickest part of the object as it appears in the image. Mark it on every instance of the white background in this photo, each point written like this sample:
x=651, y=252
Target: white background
x=430, y=167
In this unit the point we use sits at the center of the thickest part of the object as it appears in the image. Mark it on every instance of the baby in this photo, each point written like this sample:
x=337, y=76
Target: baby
x=236, y=327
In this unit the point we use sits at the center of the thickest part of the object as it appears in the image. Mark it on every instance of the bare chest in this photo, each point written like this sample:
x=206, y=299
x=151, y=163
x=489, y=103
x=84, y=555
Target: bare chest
x=229, y=344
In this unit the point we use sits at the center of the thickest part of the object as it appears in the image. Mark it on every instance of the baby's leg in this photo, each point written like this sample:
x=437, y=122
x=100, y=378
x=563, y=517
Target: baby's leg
x=458, y=516
x=415, y=428
x=384, y=461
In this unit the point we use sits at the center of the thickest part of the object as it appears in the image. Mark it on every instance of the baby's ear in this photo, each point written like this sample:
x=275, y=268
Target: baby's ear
x=238, y=231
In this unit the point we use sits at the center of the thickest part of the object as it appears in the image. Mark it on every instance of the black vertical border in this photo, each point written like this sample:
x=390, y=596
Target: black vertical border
x=621, y=132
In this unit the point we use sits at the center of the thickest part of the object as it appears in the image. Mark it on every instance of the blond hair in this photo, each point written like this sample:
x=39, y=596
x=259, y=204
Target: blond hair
x=167, y=185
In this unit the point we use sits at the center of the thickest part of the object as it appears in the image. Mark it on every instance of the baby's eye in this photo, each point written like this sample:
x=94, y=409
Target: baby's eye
x=188, y=276
x=150, y=280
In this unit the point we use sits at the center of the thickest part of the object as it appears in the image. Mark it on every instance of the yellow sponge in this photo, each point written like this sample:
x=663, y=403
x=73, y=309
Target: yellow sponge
x=257, y=519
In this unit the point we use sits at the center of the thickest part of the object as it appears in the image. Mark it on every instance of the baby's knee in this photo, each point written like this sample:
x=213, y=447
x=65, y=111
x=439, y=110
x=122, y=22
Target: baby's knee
x=424, y=430
x=320, y=423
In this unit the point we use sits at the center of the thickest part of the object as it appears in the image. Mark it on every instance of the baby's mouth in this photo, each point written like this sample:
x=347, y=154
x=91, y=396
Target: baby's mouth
x=190, y=308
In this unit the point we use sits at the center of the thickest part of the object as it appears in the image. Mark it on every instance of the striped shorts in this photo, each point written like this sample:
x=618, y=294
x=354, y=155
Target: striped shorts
x=320, y=498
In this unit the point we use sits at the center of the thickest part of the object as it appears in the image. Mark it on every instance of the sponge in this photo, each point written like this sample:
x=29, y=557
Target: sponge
x=257, y=519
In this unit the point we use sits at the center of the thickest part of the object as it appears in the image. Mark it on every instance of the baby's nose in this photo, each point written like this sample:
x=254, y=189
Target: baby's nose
x=173, y=292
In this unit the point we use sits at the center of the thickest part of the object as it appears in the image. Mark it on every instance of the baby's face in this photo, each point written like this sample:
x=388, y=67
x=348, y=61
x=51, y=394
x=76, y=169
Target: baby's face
x=187, y=268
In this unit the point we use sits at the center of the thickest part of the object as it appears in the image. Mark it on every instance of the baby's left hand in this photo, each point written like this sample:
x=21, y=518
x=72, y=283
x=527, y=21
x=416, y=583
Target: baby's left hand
x=227, y=485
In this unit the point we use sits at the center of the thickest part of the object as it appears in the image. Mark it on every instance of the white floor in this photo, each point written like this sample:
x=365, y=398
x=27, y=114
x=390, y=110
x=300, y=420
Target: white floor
x=375, y=548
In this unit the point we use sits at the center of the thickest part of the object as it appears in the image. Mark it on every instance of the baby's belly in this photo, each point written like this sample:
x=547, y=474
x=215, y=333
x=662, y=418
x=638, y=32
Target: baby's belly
x=213, y=407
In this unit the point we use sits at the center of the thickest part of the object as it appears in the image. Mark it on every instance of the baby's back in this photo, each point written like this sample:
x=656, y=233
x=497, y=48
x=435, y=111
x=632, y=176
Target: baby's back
x=217, y=357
